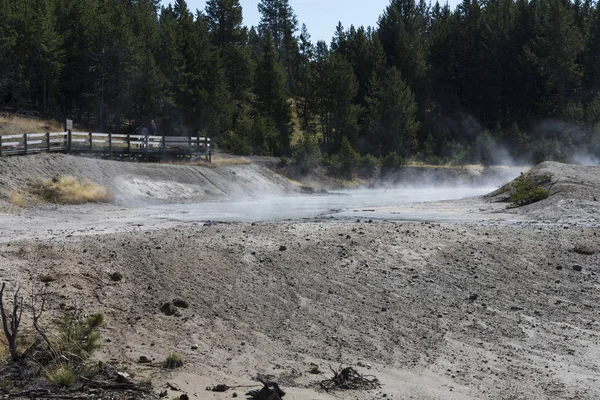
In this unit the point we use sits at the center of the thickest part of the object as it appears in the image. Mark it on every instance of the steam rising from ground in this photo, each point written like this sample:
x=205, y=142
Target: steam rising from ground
x=357, y=202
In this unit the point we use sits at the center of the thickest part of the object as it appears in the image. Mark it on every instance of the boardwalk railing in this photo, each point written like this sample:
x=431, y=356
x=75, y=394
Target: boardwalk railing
x=107, y=144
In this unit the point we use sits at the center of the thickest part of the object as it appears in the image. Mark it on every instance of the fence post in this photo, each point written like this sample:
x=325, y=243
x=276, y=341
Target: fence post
x=147, y=146
x=48, y=141
x=190, y=145
x=110, y=143
x=91, y=143
x=129, y=144
x=206, y=147
x=0, y=145
x=69, y=141
x=25, y=142
x=164, y=146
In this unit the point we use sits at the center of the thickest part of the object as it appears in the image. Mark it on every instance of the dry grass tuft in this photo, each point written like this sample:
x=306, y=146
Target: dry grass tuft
x=68, y=190
x=17, y=199
x=61, y=376
x=221, y=162
x=173, y=361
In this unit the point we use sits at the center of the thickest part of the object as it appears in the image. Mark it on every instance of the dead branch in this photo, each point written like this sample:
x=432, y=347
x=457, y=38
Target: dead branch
x=349, y=379
x=37, y=314
x=10, y=323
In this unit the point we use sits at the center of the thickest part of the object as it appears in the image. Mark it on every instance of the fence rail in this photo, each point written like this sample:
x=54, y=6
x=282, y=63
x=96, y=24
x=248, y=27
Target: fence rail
x=107, y=144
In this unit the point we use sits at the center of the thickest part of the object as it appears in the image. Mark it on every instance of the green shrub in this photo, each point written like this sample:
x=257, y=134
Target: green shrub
x=61, y=376
x=391, y=163
x=79, y=337
x=307, y=154
x=236, y=144
x=526, y=191
x=173, y=361
x=347, y=159
x=368, y=165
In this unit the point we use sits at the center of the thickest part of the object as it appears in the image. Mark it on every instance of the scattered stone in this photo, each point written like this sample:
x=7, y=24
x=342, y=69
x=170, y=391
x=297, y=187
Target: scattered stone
x=515, y=308
x=180, y=303
x=234, y=394
x=577, y=268
x=162, y=394
x=144, y=360
x=184, y=397
x=123, y=377
x=473, y=297
x=116, y=276
x=282, y=248
x=47, y=278
x=194, y=347
x=559, y=267
x=218, y=388
x=585, y=249
x=169, y=309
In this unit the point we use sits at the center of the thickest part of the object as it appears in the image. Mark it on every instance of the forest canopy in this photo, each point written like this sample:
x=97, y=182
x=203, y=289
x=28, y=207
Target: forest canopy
x=486, y=82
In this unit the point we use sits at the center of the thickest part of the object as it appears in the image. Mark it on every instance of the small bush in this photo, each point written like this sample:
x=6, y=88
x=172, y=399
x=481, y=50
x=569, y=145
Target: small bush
x=236, y=144
x=61, y=376
x=368, y=165
x=526, y=191
x=79, y=337
x=173, y=361
x=68, y=190
x=347, y=159
x=391, y=163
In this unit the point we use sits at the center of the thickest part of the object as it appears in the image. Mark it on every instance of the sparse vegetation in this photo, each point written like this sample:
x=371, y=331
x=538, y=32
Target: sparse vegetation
x=61, y=376
x=69, y=190
x=16, y=125
x=527, y=190
x=62, y=354
x=78, y=337
x=173, y=361
x=16, y=198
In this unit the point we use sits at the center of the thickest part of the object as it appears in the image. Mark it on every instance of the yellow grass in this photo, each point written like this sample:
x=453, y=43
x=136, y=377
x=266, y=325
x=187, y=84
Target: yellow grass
x=11, y=125
x=219, y=161
x=17, y=199
x=68, y=190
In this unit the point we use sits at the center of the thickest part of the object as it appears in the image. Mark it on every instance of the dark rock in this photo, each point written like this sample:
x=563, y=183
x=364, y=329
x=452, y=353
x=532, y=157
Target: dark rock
x=577, y=268
x=180, y=303
x=184, y=397
x=515, y=308
x=144, y=360
x=47, y=278
x=116, y=276
x=559, y=267
x=220, y=388
x=168, y=309
x=473, y=297
x=282, y=248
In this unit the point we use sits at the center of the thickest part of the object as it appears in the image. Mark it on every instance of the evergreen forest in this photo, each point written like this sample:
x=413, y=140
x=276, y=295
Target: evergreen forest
x=486, y=82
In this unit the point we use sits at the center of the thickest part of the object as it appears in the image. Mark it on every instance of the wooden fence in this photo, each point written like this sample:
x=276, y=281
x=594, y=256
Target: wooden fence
x=107, y=145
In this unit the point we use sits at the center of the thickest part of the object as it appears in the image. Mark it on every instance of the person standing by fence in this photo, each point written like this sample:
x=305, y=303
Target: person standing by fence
x=153, y=128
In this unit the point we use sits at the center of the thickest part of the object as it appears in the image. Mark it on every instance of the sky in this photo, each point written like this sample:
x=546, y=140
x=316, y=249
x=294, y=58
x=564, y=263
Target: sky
x=320, y=16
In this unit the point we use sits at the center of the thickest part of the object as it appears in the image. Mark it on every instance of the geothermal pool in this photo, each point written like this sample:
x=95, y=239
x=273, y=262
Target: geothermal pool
x=364, y=203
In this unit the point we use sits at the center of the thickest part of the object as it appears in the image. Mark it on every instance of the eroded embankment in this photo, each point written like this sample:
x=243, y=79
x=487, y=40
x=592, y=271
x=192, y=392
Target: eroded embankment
x=140, y=183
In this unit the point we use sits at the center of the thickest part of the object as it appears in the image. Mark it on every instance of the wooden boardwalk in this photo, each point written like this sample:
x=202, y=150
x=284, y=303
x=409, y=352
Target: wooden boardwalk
x=109, y=145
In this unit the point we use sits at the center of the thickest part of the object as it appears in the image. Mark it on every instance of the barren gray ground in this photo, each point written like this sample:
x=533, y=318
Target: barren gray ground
x=498, y=306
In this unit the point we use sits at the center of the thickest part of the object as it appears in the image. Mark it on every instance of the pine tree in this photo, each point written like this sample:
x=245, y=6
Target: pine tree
x=271, y=99
x=555, y=51
x=278, y=18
